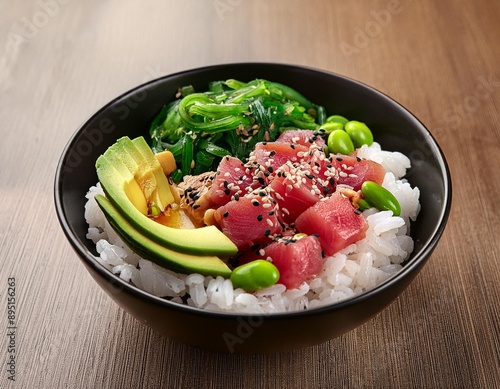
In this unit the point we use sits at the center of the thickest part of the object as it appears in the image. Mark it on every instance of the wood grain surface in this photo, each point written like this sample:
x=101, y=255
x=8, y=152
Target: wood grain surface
x=60, y=61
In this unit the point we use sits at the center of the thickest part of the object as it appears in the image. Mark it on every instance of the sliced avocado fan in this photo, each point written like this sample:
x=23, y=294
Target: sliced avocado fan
x=148, y=249
x=123, y=175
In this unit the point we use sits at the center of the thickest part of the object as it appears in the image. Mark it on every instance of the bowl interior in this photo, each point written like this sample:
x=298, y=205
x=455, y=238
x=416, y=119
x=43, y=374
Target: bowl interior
x=394, y=128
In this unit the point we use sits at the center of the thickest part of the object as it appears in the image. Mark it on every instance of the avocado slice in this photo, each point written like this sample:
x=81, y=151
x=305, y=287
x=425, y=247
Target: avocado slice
x=131, y=189
x=148, y=249
x=149, y=168
x=136, y=164
x=125, y=194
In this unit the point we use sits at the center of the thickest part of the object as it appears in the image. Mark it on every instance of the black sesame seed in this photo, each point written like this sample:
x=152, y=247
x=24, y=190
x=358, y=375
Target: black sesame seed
x=260, y=217
x=261, y=180
x=227, y=192
x=255, y=203
x=236, y=196
x=196, y=206
x=270, y=169
x=267, y=232
x=310, y=176
x=339, y=159
x=271, y=213
x=226, y=214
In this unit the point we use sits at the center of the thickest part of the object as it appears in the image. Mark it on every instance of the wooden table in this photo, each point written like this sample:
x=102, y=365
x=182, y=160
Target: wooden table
x=62, y=60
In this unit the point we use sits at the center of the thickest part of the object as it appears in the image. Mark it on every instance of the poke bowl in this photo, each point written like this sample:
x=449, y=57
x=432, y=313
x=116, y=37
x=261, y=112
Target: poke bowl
x=201, y=299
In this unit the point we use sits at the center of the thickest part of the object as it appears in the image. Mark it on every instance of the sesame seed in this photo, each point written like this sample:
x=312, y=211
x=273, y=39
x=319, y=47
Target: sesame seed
x=260, y=217
x=226, y=214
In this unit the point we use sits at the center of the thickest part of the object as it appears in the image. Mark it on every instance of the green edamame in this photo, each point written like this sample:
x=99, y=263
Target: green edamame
x=380, y=198
x=255, y=275
x=328, y=128
x=336, y=119
x=359, y=132
x=339, y=142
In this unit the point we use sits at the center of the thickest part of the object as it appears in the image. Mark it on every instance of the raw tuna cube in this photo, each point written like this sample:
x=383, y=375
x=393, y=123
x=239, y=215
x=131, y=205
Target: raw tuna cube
x=272, y=155
x=248, y=221
x=353, y=171
x=295, y=190
x=335, y=221
x=231, y=179
x=297, y=259
x=306, y=138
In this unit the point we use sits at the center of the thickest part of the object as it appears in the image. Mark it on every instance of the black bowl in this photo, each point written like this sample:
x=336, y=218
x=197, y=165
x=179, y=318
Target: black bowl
x=130, y=114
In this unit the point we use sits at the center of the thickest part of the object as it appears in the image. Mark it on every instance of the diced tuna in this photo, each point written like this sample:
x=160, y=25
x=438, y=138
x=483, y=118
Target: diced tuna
x=306, y=138
x=335, y=221
x=353, y=171
x=231, y=178
x=248, y=221
x=295, y=189
x=297, y=259
x=272, y=155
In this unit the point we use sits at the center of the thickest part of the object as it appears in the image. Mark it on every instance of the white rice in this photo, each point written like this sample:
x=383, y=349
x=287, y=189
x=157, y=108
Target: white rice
x=355, y=269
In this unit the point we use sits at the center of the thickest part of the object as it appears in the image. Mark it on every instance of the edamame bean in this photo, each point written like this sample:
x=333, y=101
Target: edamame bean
x=339, y=142
x=380, y=198
x=359, y=132
x=332, y=126
x=336, y=119
x=255, y=275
